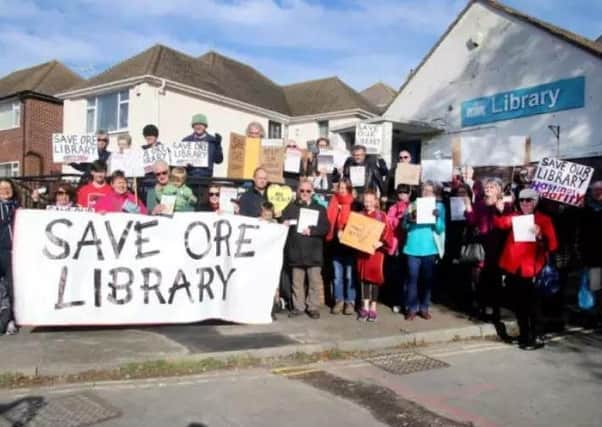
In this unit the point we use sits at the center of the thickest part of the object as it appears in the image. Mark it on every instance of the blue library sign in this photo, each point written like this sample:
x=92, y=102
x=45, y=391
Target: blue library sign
x=560, y=95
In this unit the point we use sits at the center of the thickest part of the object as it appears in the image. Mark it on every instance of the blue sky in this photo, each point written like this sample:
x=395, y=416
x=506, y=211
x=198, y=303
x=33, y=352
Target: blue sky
x=361, y=41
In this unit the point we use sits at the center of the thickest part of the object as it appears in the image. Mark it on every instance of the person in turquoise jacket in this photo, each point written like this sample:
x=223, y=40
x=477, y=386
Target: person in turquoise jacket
x=424, y=243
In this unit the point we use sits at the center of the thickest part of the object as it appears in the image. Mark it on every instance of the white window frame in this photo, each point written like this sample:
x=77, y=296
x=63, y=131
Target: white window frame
x=94, y=108
x=14, y=168
x=16, y=112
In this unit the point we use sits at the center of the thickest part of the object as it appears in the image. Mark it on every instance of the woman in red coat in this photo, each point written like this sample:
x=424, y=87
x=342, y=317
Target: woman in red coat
x=522, y=261
x=370, y=267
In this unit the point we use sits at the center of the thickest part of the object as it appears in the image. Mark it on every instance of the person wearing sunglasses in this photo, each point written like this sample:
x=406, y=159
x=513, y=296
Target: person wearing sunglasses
x=161, y=176
x=62, y=197
x=211, y=204
x=102, y=141
x=522, y=261
x=304, y=250
x=390, y=187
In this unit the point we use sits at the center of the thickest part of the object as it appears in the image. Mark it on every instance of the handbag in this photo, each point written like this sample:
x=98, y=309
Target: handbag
x=547, y=281
x=585, y=297
x=471, y=251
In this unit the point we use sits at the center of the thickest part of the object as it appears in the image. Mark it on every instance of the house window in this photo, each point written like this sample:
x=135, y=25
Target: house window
x=323, y=128
x=10, y=115
x=9, y=169
x=274, y=130
x=109, y=112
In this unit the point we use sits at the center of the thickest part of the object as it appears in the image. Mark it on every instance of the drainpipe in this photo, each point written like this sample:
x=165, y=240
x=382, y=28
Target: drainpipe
x=24, y=141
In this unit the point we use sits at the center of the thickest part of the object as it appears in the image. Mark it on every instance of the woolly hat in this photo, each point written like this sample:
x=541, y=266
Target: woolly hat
x=528, y=193
x=199, y=119
x=150, y=130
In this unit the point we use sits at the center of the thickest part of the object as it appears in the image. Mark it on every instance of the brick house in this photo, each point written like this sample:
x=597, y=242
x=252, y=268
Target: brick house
x=29, y=114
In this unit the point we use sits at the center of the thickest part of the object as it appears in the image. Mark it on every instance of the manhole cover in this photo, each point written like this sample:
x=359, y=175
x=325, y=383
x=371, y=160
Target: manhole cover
x=74, y=410
x=405, y=362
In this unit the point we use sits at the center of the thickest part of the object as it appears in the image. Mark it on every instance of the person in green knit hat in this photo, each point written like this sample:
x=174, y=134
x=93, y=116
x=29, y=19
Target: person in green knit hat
x=185, y=199
x=215, y=154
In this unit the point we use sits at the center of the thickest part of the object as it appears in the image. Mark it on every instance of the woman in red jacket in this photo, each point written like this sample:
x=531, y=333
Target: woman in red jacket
x=522, y=261
x=370, y=267
x=343, y=257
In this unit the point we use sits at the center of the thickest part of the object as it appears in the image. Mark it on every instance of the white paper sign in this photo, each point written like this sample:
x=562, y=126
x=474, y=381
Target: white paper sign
x=169, y=201
x=154, y=153
x=326, y=161
x=164, y=270
x=370, y=136
x=523, y=227
x=424, y=210
x=292, y=161
x=457, y=208
x=357, y=175
x=129, y=162
x=437, y=170
x=226, y=195
x=184, y=153
x=307, y=218
x=74, y=148
x=562, y=181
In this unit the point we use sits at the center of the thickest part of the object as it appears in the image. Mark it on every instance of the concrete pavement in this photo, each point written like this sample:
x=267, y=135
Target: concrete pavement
x=71, y=350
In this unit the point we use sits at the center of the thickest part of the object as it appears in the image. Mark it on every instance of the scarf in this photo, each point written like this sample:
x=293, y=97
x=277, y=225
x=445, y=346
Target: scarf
x=338, y=211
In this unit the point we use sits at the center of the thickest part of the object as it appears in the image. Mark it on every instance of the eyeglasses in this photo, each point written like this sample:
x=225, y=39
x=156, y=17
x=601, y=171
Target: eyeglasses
x=161, y=173
x=305, y=191
x=404, y=157
x=213, y=194
x=525, y=200
x=102, y=139
x=61, y=192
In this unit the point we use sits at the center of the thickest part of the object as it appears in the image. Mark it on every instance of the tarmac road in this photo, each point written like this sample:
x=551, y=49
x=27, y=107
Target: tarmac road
x=483, y=383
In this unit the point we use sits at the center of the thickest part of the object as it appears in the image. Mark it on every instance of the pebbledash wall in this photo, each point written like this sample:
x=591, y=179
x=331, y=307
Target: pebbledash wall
x=511, y=55
x=26, y=148
x=171, y=108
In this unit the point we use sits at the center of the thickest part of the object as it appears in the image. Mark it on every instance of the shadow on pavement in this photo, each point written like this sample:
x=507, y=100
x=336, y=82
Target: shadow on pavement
x=21, y=412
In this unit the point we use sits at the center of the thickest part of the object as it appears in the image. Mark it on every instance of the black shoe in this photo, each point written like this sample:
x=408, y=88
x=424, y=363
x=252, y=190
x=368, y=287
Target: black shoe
x=313, y=314
x=294, y=313
x=532, y=345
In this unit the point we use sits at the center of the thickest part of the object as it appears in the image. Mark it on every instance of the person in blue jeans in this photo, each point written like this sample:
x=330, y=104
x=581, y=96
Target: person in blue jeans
x=422, y=248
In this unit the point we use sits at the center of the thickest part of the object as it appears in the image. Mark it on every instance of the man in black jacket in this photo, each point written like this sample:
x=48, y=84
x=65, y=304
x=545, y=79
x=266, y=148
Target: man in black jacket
x=102, y=141
x=365, y=173
x=304, y=249
x=250, y=202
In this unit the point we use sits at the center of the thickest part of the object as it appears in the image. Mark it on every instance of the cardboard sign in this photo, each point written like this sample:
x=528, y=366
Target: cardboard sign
x=152, y=154
x=73, y=148
x=407, y=173
x=144, y=270
x=292, y=161
x=562, y=181
x=325, y=161
x=236, y=156
x=129, y=162
x=280, y=196
x=437, y=170
x=243, y=156
x=370, y=136
x=184, y=153
x=362, y=232
x=272, y=159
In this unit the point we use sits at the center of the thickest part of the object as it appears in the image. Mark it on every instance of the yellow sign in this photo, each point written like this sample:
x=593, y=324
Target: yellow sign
x=280, y=196
x=362, y=232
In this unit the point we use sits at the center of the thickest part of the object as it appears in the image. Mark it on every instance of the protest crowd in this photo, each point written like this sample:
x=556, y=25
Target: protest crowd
x=489, y=244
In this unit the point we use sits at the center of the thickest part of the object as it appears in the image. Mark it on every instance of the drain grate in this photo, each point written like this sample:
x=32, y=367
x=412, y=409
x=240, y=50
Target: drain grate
x=404, y=363
x=74, y=410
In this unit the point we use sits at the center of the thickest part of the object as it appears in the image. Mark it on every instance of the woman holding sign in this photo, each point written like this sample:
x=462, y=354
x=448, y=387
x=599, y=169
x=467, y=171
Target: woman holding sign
x=120, y=199
x=425, y=224
x=340, y=206
x=370, y=267
x=527, y=248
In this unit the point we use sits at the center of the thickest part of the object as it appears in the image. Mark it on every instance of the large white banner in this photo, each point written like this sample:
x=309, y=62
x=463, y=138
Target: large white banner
x=74, y=268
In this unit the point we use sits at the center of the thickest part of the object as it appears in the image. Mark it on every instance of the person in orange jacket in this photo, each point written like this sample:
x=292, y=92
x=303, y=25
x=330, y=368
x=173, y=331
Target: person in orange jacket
x=523, y=261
